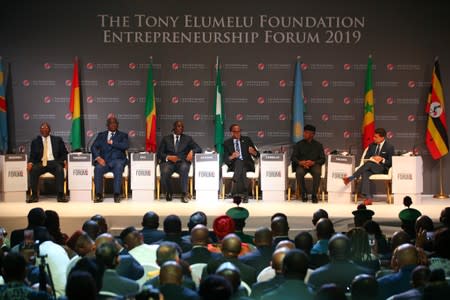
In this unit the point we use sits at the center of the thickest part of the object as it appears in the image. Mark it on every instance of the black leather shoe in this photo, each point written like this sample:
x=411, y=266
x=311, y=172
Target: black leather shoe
x=117, y=198
x=34, y=198
x=185, y=197
x=98, y=198
x=314, y=199
x=62, y=198
x=304, y=197
x=168, y=196
x=245, y=199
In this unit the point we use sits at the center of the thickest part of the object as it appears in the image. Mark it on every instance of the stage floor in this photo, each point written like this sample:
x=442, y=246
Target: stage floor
x=130, y=212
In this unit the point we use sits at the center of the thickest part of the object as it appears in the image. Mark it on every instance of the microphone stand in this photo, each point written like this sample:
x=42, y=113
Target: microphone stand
x=43, y=267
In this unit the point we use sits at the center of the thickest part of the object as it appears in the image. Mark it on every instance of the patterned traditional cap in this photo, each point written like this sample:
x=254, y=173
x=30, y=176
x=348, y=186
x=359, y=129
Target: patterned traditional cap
x=223, y=225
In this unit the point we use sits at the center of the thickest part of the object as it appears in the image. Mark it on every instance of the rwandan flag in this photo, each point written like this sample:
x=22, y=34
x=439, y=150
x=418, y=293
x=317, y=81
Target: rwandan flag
x=3, y=113
x=150, y=113
x=436, y=136
x=75, y=107
x=297, y=110
x=368, y=127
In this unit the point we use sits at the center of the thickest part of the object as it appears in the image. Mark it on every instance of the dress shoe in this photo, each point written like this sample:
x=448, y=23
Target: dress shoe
x=304, y=197
x=245, y=199
x=117, y=198
x=368, y=201
x=314, y=199
x=168, y=196
x=98, y=198
x=346, y=180
x=62, y=198
x=185, y=197
x=34, y=198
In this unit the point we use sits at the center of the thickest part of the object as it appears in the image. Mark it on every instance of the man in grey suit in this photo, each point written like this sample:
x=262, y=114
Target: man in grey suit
x=378, y=160
x=175, y=154
x=106, y=254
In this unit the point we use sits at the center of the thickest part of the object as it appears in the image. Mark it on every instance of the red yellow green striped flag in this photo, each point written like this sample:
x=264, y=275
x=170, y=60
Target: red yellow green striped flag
x=368, y=127
x=75, y=109
x=436, y=137
x=150, y=113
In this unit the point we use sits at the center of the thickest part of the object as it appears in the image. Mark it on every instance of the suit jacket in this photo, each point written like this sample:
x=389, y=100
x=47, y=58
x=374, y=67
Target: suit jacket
x=289, y=289
x=258, y=259
x=199, y=254
x=115, y=151
x=167, y=147
x=263, y=287
x=387, y=151
x=248, y=274
x=176, y=292
x=114, y=283
x=129, y=267
x=152, y=236
x=58, y=148
x=228, y=146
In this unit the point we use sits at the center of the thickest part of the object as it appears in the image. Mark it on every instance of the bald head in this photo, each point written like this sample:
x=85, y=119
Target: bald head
x=339, y=247
x=405, y=255
x=263, y=237
x=167, y=251
x=279, y=226
x=231, y=245
x=150, y=220
x=200, y=235
x=104, y=238
x=171, y=273
x=325, y=229
x=84, y=245
x=277, y=259
x=92, y=228
x=399, y=238
x=304, y=241
x=285, y=244
x=295, y=264
x=231, y=273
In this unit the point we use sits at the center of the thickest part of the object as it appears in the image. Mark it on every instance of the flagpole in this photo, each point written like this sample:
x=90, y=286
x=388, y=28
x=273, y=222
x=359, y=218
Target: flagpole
x=441, y=194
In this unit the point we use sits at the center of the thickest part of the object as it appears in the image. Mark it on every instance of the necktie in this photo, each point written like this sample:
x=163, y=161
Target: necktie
x=45, y=154
x=177, y=142
x=377, y=151
x=237, y=148
x=111, y=136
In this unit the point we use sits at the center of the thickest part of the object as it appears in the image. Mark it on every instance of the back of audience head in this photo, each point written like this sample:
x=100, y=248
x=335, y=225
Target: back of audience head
x=172, y=225
x=360, y=248
x=295, y=264
x=231, y=273
x=445, y=217
x=200, y=235
x=196, y=218
x=424, y=223
x=167, y=251
x=101, y=221
x=304, y=241
x=420, y=276
x=279, y=226
x=131, y=237
x=277, y=259
x=91, y=228
x=398, y=238
x=90, y=265
x=319, y=214
x=52, y=221
x=263, y=237
x=84, y=244
x=36, y=217
x=231, y=245
x=107, y=255
x=278, y=214
x=404, y=255
x=150, y=220
x=215, y=287
x=330, y=291
x=285, y=244
x=13, y=267
x=373, y=227
x=363, y=287
x=171, y=273
x=442, y=243
x=339, y=247
x=325, y=229
x=81, y=285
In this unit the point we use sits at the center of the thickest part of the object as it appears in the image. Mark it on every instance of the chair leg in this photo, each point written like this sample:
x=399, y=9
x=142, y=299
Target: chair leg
x=289, y=193
x=191, y=187
x=126, y=187
x=223, y=191
x=93, y=189
x=158, y=187
x=257, y=191
x=388, y=192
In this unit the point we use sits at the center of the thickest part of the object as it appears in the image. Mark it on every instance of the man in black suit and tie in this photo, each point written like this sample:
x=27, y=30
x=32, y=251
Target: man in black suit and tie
x=238, y=155
x=175, y=154
x=378, y=161
x=48, y=153
x=109, y=155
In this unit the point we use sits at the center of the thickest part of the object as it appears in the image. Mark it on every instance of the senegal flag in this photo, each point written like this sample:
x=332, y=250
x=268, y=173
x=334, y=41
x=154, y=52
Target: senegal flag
x=75, y=109
x=150, y=113
x=368, y=126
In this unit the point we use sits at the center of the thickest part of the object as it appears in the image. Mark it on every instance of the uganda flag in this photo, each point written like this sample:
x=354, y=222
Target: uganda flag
x=368, y=127
x=150, y=113
x=436, y=137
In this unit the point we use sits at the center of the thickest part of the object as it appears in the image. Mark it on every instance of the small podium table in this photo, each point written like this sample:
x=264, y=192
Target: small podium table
x=407, y=178
x=80, y=176
x=207, y=177
x=273, y=176
x=338, y=167
x=13, y=177
x=143, y=176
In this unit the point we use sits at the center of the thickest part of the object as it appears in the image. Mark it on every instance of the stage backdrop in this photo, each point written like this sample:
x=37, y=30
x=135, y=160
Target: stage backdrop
x=257, y=42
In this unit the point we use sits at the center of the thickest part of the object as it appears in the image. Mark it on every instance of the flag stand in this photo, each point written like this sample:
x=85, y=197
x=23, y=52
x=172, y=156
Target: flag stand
x=441, y=194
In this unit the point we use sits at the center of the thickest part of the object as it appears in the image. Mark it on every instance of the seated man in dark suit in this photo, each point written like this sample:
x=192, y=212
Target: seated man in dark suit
x=109, y=155
x=378, y=160
x=175, y=154
x=238, y=155
x=171, y=278
x=199, y=252
x=48, y=153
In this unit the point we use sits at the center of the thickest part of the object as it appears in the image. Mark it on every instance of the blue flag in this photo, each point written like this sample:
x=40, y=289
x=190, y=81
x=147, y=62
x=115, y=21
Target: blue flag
x=297, y=109
x=3, y=113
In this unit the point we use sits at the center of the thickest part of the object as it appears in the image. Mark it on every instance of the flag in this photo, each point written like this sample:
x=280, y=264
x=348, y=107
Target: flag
x=75, y=109
x=3, y=113
x=297, y=110
x=150, y=113
x=368, y=127
x=218, y=113
x=436, y=136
